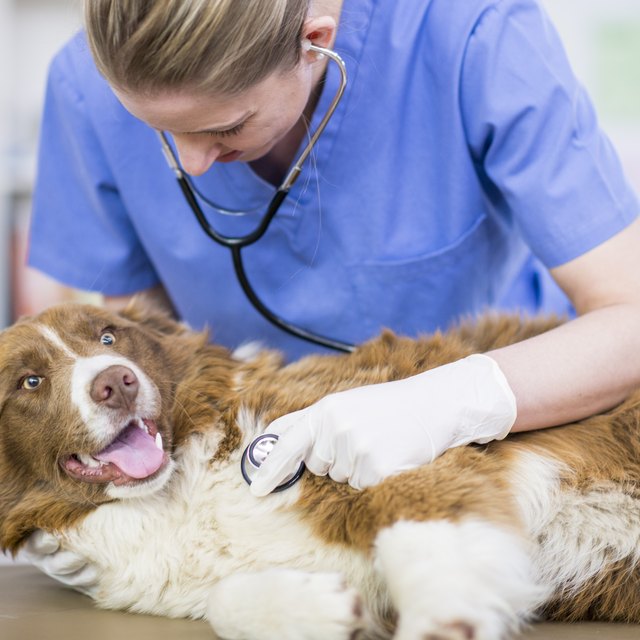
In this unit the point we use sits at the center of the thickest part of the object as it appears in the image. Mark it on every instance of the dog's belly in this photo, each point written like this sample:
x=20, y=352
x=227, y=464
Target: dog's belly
x=161, y=554
x=579, y=536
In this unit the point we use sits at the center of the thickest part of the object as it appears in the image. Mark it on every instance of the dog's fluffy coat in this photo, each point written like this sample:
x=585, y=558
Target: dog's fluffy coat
x=470, y=546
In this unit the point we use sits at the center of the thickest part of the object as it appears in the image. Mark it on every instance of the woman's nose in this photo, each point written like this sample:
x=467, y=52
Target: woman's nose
x=196, y=157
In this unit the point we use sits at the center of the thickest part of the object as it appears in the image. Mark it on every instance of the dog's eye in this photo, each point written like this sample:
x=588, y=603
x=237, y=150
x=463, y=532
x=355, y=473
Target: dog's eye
x=31, y=382
x=108, y=338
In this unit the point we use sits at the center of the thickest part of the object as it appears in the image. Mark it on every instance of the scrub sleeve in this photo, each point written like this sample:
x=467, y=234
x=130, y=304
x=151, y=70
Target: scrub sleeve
x=88, y=238
x=535, y=136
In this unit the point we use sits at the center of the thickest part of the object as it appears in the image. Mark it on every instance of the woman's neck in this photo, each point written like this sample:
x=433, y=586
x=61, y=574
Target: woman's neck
x=273, y=166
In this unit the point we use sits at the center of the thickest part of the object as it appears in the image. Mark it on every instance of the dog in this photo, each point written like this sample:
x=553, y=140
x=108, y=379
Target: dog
x=123, y=433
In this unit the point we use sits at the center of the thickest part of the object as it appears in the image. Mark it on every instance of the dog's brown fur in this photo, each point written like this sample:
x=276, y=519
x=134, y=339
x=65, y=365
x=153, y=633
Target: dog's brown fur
x=197, y=381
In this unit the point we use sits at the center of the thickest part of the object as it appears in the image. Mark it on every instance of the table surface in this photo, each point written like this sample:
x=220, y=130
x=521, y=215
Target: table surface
x=34, y=607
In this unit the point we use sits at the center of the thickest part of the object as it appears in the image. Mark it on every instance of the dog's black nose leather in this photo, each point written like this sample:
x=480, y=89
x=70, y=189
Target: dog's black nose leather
x=116, y=387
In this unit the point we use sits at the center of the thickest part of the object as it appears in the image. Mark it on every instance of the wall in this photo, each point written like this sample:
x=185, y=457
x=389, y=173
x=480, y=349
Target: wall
x=30, y=32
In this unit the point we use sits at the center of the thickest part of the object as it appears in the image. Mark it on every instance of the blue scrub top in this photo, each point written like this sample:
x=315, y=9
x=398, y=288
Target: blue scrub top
x=463, y=157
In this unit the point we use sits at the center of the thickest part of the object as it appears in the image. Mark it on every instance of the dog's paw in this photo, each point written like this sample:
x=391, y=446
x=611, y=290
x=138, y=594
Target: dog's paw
x=417, y=629
x=467, y=580
x=285, y=605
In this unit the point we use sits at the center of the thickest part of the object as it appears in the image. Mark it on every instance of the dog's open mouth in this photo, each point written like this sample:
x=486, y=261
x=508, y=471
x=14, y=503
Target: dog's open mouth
x=136, y=454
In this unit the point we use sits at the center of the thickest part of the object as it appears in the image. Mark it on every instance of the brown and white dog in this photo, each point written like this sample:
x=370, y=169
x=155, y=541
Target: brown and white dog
x=123, y=435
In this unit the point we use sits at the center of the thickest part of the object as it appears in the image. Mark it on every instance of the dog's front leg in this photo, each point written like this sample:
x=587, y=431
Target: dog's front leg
x=463, y=580
x=284, y=604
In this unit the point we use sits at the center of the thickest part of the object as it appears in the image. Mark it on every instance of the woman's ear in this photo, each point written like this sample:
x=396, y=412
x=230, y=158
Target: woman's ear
x=320, y=31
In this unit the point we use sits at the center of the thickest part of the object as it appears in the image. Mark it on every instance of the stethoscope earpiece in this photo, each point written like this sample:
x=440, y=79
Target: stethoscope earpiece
x=307, y=46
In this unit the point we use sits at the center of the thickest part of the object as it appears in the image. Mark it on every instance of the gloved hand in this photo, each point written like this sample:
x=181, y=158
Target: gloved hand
x=365, y=434
x=43, y=550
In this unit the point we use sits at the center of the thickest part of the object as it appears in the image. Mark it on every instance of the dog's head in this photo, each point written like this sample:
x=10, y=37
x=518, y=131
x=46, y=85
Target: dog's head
x=88, y=411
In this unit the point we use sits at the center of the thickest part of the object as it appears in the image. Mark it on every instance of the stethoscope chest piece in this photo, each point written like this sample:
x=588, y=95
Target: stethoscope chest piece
x=256, y=453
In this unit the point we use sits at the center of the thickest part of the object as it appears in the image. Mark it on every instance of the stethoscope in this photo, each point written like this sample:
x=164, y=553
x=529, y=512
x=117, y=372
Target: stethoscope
x=236, y=243
x=256, y=453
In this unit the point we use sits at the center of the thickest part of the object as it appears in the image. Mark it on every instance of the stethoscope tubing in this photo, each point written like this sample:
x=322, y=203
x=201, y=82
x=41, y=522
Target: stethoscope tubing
x=235, y=245
x=231, y=241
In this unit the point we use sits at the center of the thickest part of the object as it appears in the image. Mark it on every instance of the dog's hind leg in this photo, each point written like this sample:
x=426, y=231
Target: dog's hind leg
x=463, y=580
x=284, y=604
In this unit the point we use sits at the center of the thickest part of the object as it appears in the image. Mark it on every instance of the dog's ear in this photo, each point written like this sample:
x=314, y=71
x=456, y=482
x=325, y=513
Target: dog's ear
x=25, y=508
x=148, y=312
x=16, y=521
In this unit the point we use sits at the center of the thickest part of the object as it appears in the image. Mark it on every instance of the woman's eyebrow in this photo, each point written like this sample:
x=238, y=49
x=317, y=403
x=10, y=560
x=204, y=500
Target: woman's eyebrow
x=226, y=127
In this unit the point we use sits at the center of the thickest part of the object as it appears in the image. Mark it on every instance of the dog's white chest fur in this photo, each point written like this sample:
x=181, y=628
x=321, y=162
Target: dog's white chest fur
x=164, y=552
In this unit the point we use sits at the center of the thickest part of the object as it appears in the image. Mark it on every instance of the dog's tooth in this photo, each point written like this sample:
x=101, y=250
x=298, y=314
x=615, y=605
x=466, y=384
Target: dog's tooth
x=143, y=426
x=89, y=461
x=159, y=441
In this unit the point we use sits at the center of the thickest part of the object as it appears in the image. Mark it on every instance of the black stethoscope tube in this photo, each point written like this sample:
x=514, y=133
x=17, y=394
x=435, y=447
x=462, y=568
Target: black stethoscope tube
x=235, y=245
x=231, y=241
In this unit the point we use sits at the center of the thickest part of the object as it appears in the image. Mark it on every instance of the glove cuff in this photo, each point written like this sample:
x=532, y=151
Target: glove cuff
x=491, y=404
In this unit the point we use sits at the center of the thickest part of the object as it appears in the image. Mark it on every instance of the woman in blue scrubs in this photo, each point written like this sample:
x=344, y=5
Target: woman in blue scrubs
x=464, y=170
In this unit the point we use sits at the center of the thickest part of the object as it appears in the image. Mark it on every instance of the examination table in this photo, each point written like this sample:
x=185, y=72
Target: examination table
x=34, y=607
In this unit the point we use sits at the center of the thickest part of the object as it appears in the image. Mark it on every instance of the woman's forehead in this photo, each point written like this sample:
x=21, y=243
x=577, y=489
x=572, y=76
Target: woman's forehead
x=188, y=111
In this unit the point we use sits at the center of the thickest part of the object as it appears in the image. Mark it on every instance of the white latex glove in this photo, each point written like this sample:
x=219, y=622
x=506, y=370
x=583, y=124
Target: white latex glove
x=43, y=551
x=363, y=435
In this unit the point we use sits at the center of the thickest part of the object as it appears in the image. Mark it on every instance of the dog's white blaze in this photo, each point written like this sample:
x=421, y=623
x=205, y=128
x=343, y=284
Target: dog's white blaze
x=99, y=421
x=576, y=533
x=57, y=341
x=470, y=571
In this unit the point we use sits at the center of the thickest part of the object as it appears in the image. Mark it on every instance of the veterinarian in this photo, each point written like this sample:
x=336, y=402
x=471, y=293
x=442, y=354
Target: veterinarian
x=463, y=170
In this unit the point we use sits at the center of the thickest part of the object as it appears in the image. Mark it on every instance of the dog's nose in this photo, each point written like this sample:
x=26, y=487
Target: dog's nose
x=116, y=387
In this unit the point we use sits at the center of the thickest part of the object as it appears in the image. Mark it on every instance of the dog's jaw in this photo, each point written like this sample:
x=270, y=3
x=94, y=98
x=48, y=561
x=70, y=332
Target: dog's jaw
x=136, y=454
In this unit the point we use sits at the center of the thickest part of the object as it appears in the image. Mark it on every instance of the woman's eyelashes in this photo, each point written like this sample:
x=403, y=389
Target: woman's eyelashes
x=227, y=132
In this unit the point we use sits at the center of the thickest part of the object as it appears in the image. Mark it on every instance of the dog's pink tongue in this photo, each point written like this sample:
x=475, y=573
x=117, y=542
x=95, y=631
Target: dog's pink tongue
x=135, y=452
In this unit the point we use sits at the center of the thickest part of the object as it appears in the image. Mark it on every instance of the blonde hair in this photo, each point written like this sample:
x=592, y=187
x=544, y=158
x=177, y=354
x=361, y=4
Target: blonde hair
x=224, y=46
